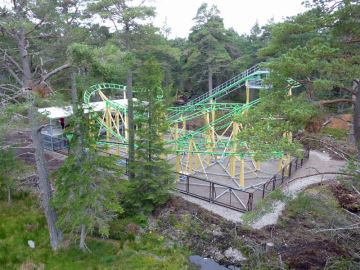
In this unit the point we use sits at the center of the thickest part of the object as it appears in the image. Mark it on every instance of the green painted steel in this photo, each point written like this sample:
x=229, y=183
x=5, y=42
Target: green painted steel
x=195, y=108
x=222, y=89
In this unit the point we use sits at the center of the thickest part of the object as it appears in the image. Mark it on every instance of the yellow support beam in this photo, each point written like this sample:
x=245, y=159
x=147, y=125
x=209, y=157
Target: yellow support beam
x=257, y=165
x=208, y=139
x=189, y=163
x=126, y=126
x=108, y=123
x=183, y=125
x=232, y=161
x=242, y=172
x=247, y=92
x=178, y=166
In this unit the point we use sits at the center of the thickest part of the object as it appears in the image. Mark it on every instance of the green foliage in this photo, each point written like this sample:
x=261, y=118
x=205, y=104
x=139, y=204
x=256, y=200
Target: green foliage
x=315, y=206
x=153, y=177
x=87, y=184
x=337, y=133
x=264, y=206
x=310, y=47
x=11, y=169
x=276, y=114
x=24, y=221
x=353, y=180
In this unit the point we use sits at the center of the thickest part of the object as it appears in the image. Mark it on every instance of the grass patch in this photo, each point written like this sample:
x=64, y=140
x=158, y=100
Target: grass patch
x=336, y=133
x=315, y=205
x=24, y=221
x=264, y=206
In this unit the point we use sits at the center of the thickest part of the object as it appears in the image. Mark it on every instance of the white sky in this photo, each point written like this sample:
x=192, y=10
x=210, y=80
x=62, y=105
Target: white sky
x=239, y=14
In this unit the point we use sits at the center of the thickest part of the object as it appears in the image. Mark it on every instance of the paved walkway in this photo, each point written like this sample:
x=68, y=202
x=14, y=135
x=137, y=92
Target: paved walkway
x=317, y=162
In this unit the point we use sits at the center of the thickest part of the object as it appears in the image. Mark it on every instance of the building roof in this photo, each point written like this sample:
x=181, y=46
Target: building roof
x=66, y=111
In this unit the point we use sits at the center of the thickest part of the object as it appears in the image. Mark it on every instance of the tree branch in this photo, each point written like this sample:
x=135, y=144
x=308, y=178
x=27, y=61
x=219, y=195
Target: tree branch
x=11, y=59
x=36, y=26
x=56, y=70
x=340, y=100
x=13, y=74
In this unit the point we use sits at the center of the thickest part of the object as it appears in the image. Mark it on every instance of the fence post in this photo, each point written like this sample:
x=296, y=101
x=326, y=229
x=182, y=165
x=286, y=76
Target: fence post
x=263, y=193
x=282, y=175
x=290, y=166
x=274, y=182
x=250, y=202
x=187, y=184
x=296, y=163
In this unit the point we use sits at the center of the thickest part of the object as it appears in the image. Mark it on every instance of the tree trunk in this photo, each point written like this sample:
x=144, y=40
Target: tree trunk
x=44, y=184
x=82, y=238
x=74, y=97
x=210, y=80
x=131, y=147
x=356, y=115
x=25, y=59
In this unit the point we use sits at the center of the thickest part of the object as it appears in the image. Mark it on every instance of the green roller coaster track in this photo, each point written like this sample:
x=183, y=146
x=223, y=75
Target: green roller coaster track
x=192, y=109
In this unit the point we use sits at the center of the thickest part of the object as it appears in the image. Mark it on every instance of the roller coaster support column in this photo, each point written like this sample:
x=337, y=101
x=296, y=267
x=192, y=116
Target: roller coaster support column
x=117, y=124
x=242, y=172
x=178, y=156
x=212, y=130
x=108, y=123
x=232, y=162
x=183, y=125
x=257, y=165
x=208, y=138
x=247, y=92
x=189, y=164
x=288, y=157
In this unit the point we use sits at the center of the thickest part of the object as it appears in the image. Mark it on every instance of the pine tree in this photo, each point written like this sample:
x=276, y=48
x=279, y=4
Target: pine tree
x=87, y=185
x=10, y=169
x=153, y=176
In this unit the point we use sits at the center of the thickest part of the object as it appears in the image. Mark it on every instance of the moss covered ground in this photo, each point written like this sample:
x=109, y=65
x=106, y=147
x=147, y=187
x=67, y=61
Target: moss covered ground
x=23, y=221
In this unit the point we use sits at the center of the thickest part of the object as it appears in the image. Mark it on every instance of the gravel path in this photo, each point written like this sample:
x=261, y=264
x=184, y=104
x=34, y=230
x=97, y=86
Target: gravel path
x=318, y=162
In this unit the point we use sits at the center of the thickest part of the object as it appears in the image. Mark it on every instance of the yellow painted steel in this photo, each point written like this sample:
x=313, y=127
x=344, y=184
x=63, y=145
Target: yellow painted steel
x=280, y=164
x=232, y=161
x=247, y=92
x=108, y=123
x=242, y=172
x=208, y=139
x=189, y=163
x=183, y=125
x=257, y=165
x=126, y=126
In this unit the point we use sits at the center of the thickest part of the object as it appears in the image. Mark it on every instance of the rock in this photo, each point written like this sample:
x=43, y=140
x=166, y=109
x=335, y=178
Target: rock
x=218, y=256
x=269, y=247
x=135, y=229
x=31, y=244
x=217, y=232
x=206, y=263
x=234, y=255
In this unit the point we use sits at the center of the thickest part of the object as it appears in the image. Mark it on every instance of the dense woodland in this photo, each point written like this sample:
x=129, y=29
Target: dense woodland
x=52, y=51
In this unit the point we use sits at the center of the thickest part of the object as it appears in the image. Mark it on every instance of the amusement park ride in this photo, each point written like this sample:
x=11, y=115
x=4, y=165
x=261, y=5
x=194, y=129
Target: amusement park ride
x=210, y=150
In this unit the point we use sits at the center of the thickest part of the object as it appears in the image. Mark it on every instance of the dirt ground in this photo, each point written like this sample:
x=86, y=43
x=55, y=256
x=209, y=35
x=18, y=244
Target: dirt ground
x=298, y=240
x=22, y=144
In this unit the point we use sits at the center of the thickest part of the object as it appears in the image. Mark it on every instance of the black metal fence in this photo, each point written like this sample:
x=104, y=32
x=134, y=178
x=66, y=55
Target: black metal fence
x=260, y=192
x=230, y=197
x=216, y=193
